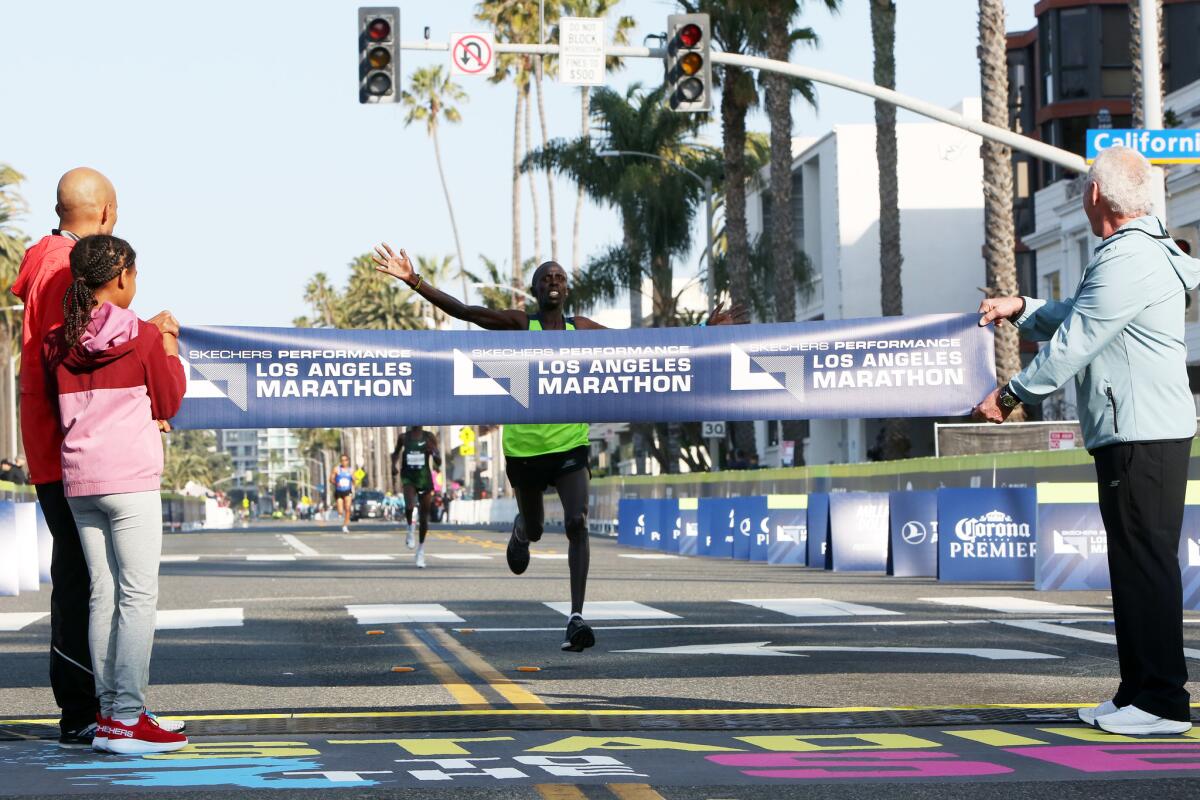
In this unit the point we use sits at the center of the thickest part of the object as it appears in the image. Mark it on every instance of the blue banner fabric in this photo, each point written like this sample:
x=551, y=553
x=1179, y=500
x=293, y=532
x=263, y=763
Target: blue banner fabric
x=716, y=527
x=787, y=524
x=760, y=530
x=689, y=526
x=660, y=520
x=631, y=521
x=671, y=526
x=912, y=519
x=858, y=531
x=818, y=531
x=1189, y=558
x=747, y=516
x=987, y=534
x=928, y=366
x=1072, y=550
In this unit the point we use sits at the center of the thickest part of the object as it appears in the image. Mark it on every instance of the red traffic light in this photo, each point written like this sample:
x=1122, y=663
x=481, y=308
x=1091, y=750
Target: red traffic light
x=379, y=29
x=689, y=35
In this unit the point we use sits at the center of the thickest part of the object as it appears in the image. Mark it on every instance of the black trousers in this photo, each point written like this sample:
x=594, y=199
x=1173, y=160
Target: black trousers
x=1142, y=486
x=70, y=655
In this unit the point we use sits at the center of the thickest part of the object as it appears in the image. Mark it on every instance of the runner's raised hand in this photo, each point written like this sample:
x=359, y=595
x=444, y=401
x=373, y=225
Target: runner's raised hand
x=387, y=262
x=736, y=315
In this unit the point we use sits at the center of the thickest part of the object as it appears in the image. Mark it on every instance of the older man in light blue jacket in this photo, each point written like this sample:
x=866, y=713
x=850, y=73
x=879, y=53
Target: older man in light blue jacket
x=1121, y=337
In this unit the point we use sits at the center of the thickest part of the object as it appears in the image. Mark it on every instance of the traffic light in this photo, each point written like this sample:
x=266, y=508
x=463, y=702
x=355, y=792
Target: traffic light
x=689, y=63
x=379, y=55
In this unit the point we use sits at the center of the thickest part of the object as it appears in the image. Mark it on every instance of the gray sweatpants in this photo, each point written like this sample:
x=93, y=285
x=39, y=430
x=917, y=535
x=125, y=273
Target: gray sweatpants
x=122, y=543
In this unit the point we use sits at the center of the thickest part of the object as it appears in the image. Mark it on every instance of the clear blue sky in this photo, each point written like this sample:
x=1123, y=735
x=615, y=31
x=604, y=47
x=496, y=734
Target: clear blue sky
x=244, y=162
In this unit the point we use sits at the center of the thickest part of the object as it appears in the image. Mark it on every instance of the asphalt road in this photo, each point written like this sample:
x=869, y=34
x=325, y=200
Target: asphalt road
x=307, y=659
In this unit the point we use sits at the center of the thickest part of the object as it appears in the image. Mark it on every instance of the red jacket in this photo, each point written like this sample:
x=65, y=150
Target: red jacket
x=111, y=388
x=42, y=283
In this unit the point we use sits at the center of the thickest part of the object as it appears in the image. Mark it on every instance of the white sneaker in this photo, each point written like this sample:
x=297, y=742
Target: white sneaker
x=1088, y=715
x=411, y=541
x=421, y=557
x=345, y=529
x=1132, y=721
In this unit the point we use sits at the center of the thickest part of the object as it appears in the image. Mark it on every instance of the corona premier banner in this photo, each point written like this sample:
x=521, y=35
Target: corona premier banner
x=927, y=366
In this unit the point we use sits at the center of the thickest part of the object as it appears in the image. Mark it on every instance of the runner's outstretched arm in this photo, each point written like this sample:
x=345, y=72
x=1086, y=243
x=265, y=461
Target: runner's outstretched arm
x=399, y=267
x=736, y=315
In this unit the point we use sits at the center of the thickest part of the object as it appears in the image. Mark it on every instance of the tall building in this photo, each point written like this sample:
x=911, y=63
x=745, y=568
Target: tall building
x=242, y=446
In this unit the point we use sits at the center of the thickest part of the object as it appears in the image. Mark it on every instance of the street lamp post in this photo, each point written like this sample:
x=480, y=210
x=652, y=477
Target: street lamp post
x=708, y=209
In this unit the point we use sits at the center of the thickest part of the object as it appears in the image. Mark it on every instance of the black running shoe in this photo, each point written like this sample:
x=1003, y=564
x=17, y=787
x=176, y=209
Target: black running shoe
x=579, y=636
x=78, y=738
x=518, y=551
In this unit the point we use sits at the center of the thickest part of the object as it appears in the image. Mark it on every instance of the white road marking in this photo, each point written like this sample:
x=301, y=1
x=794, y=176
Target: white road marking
x=816, y=607
x=648, y=556
x=271, y=557
x=767, y=649
x=386, y=613
x=1074, y=633
x=368, y=557
x=299, y=546
x=178, y=559
x=756, y=625
x=282, y=599
x=17, y=620
x=461, y=556
x=187, y=618
x=1013, y=605
x=614, y=609
x=549, y=556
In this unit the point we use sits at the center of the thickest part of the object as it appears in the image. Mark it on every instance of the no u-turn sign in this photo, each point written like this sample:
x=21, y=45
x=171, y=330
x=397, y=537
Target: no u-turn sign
x=473, y=54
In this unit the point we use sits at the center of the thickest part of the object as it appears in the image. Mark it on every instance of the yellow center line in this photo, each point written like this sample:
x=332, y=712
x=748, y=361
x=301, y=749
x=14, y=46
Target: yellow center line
x=634, y=791
x=517, y=695
x=463, y=693
x=559, y=791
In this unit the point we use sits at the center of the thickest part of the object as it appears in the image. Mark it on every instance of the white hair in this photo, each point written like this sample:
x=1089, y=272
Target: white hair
x=1125, y=180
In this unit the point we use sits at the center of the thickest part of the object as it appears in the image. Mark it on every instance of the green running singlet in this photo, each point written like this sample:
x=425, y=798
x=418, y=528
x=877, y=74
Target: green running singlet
x=525, y=441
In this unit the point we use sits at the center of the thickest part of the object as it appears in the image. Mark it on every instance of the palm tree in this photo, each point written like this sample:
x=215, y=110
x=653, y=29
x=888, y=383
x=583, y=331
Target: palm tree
x=374, y=301
x=999, y=235
x=436, y=271
x=891, y=294
x=492, y=290
x=325, y=301
x=657, y=201
x=429, y=98
x=12, y=248
x=620, y=36
x=735, y=26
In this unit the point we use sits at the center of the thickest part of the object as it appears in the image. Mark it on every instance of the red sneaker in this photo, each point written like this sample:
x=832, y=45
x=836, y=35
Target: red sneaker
x=100, y=740
x=144, y=737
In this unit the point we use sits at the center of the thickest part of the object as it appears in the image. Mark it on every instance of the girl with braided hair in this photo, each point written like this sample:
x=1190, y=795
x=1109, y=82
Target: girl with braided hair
x=113, y=376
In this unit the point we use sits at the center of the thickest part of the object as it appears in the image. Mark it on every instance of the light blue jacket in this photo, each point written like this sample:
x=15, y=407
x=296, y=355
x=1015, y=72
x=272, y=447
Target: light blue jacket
x=1121, y=338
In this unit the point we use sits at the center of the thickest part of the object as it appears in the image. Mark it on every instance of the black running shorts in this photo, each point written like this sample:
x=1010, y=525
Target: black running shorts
x=540, y=472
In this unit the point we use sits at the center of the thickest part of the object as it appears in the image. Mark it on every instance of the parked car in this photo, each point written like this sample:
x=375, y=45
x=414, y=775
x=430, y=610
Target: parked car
x=368, y=504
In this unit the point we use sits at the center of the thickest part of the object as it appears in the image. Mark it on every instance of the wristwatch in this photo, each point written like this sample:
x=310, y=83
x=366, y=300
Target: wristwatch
x=1008, y=399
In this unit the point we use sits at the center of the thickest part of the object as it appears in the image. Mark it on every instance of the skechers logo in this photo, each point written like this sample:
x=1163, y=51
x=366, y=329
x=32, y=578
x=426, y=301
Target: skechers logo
x=742, y=378
x=515, y=372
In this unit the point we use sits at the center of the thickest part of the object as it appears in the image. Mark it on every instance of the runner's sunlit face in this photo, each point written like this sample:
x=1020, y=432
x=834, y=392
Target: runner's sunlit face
x=550, y=286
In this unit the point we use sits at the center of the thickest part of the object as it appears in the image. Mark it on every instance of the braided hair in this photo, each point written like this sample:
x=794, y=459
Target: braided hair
x=95, y=260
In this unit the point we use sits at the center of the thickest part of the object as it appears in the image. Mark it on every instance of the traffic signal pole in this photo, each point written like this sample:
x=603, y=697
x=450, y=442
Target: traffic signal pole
x=1055, y=155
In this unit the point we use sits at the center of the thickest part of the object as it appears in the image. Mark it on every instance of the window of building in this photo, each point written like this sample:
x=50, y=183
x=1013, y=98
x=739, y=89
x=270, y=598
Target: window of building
x=1052, y=286
x=1074, y=43
x=1181, y=64
x=1116, y=72
x=1027, y=273
x=1048, y=44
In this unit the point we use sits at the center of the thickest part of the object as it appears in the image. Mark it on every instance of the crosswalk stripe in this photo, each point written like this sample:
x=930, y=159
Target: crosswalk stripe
x=368, y=557
x=817, y=607
x=549, y=557
x=299, y=546
x=271, y=557
x=648, y=556
x=614, y=609
x=1013, y=605
x=389, y=613
x=178, y=559
x=188, y=618
x=461, y=556
x=17, y=620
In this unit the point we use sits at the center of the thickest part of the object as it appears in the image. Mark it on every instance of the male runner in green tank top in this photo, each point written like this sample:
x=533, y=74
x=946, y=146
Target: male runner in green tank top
x=538, y=456
x=415, y=449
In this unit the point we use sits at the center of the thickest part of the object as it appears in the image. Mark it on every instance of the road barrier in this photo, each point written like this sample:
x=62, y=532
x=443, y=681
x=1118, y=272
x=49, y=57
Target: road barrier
x=1051, y=535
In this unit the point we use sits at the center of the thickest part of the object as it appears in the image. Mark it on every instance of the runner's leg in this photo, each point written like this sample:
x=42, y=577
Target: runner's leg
x=529, y=504
x=423, y=516
x=573, y=492
x=410, y=500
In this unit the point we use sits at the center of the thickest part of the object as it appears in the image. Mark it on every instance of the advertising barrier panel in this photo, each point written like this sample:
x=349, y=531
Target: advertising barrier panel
x=689, y=526
x=928, y=366
x=10, y=575
x=660, y=522
x=1072, y=550
x=631, y=521
x=716, y=527
x=749, y=514
x=987, y=534
x=818, y=531
x=760, y=528
x=1189, y=553
x=913, y=524
x=858, y=531
x=27, y=547
x=787, y=526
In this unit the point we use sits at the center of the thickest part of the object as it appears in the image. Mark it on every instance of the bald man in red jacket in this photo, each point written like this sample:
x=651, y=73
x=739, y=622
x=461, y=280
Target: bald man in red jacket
x=87, y=204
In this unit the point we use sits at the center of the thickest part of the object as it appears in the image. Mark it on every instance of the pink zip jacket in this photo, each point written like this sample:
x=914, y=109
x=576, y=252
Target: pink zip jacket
x=111, y=387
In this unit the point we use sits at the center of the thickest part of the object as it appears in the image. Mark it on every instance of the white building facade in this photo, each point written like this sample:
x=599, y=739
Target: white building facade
x=835, y=212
